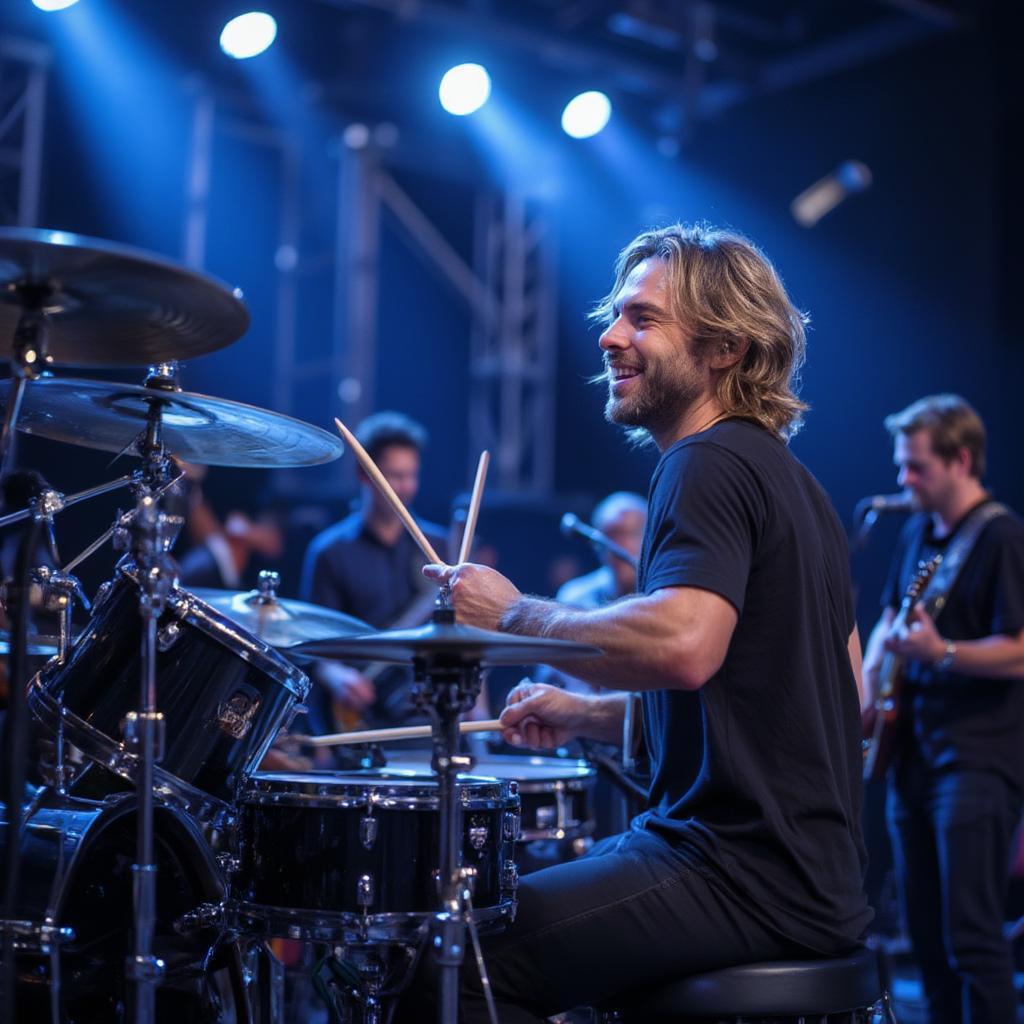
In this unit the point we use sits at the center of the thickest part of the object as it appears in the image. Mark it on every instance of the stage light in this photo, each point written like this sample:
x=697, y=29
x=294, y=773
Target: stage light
x=464, y=88
x=53, y=5
x=248, y=35
x=587, y=114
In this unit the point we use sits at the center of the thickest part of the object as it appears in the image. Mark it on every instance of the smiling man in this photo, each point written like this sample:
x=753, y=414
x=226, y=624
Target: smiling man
x=957, y=785
x=742, y=639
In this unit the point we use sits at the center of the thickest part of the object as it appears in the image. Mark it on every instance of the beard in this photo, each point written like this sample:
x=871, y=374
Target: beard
x=664, y=391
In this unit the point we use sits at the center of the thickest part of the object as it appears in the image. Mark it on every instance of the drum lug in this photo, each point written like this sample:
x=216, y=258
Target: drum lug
x=479, y=832
x=368, y=831
x=511, y=825
x=510, y=876
x=168, y=635
x=365, y=892
x=136, y=723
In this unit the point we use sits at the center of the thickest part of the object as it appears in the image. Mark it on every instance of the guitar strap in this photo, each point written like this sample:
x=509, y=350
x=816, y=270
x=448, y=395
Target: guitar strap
x=955, y=557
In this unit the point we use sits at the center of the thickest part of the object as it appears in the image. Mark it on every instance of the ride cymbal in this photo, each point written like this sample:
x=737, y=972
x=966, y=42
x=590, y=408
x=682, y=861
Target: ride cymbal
x=197, y=428
x=278, y=621
x=112, y=305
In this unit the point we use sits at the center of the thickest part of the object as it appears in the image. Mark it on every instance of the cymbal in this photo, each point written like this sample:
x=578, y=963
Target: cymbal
x=449, y=640
x=281, y=622
x=197, y=428
x=110, y=304
x=38, y=646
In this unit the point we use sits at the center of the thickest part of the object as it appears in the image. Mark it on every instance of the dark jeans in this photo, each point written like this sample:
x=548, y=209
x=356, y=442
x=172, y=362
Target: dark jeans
x=951, y=834
x=631, y=913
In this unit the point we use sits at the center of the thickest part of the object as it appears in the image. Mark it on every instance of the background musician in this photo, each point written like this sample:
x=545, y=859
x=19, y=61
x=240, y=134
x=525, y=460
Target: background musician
x=368, y=566
x=957, y=784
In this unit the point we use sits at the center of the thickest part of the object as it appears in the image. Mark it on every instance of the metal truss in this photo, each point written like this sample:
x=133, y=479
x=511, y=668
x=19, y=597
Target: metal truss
x=24, y=68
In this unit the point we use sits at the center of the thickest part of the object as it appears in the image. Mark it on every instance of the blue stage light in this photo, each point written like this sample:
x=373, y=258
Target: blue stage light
x=248, y=35
x=53, y=5
x=464, y=88
x=585, y=115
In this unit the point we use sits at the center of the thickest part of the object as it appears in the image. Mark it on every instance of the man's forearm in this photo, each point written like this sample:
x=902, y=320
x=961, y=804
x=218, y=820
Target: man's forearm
x=629, y=661
x=993, y=657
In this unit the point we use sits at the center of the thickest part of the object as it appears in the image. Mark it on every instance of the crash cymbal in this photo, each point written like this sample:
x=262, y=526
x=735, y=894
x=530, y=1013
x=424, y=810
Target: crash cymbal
x=38, y=646
x=197, y=428
x=110, y=304
x=281, y=622
x=448, y=640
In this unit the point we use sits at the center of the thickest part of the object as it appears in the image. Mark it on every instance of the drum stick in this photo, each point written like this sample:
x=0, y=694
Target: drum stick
x=404, y=732
x=371, y=470
x=474, y=505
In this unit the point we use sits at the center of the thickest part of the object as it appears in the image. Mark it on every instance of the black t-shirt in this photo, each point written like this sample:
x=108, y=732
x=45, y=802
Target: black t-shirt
x=757, y=775
x=951, y=720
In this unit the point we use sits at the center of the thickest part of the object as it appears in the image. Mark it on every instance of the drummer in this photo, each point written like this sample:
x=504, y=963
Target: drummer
x=742, y=642
x=366, y=565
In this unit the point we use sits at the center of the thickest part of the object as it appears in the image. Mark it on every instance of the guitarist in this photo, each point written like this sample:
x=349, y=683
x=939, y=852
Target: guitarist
x=368, y=566
x=956, y=788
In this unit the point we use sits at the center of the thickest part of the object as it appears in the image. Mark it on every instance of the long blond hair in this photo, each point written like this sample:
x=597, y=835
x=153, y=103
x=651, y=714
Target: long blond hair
x=723, y=287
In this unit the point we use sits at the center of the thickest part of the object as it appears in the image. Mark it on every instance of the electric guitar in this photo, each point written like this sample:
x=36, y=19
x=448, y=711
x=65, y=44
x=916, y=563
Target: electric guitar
x=880, y=745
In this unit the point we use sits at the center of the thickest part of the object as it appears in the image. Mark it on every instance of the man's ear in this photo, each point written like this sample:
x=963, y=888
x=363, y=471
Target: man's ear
x=727, y=352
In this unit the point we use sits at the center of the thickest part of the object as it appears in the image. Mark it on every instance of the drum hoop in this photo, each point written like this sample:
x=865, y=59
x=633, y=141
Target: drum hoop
x=101, y=749
x=196, y=612
x=482, y=794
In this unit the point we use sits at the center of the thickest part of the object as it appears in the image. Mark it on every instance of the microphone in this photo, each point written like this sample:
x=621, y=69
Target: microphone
x=902, y=502
x=572, y=524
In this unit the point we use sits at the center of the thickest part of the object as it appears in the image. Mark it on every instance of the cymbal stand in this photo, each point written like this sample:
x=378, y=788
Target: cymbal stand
x=446, y=686
x=29, y=358
x=59, y=591
x=151, y=534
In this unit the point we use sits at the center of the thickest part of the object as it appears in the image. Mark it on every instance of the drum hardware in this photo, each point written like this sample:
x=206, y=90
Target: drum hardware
x=36, y=937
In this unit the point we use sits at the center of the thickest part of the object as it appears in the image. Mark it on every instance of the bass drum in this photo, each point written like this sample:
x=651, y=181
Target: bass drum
x=73, y=928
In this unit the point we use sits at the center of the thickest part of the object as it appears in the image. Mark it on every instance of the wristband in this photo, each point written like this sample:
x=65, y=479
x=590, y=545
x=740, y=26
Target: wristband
x=945, y=663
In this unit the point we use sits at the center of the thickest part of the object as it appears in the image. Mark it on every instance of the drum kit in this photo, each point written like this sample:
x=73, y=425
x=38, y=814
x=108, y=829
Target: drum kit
x=149, y=872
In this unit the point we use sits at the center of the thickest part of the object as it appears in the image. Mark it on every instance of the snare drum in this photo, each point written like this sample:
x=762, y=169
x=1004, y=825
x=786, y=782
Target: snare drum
x=352, y=856
x=223, y=693
x=556, y=792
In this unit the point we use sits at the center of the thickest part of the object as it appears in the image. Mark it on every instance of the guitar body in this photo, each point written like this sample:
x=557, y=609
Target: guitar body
x=880, y=746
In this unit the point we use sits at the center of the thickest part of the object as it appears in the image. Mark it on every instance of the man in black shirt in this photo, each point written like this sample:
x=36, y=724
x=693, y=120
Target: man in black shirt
x=368, y=566
x=957, y=785
x=742, y=639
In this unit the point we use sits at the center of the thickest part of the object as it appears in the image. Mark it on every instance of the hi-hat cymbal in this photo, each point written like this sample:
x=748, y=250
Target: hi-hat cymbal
x=112, y=305
x=281, y=622
x=437, y=640
x=197, y=428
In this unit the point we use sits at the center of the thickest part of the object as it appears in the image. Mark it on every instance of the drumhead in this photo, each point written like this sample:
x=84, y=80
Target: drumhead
x=412, y=788
x=530, y=771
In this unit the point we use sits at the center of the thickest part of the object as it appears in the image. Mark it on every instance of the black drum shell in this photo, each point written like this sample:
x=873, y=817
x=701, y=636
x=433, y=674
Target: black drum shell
x=223, y=694
x=75, y=873
x=305, y=846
